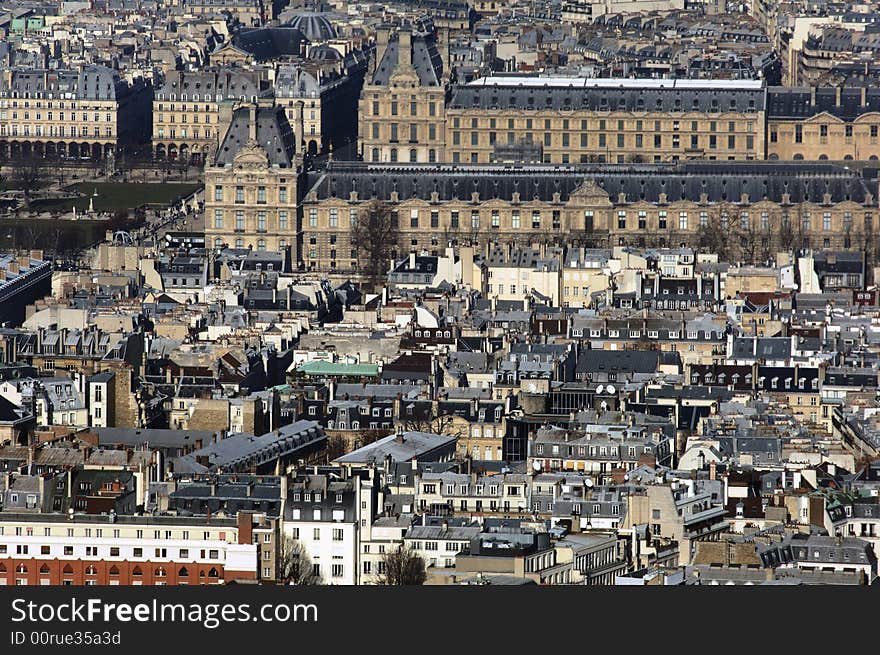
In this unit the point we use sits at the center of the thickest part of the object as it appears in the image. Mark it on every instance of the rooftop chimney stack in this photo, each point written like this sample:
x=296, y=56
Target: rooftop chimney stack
x=404, y=48
x=252, y=123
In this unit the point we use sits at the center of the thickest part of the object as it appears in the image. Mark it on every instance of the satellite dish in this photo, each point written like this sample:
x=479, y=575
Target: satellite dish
x=600, y=388
x=536, y=465
x=610, y=388
x=532, y=388
x=588, y=482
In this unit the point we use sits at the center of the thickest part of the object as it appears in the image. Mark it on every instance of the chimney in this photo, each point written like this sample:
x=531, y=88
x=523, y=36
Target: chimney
x=382, y=35
x=37, y=254
x=443, y=47
x=252, y=123
x=24, y=261
x=712, y=470
x=404, y=48
x=298, y=126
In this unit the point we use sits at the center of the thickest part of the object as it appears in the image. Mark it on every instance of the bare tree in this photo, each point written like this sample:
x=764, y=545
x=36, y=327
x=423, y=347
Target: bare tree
x=375, y=236
x=29, y=175
x=294, y=564
x=714, y=237
x=434, y=423
x=337, y=446
x=403, y=567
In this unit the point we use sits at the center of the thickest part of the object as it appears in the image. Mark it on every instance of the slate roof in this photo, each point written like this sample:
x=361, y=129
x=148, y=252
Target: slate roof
x=797, y=102
x=314, y=25
x=274, y=134
x=91, y=82
x=246, y=449
x=426, y=60
x=597, y=94
x=628, y=361
x=720, y=181
x=266, y=43
x=412, y=444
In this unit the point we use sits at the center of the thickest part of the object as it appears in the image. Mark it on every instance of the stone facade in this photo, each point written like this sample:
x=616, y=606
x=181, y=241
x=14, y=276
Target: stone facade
x=761, y=208
x=251, y=187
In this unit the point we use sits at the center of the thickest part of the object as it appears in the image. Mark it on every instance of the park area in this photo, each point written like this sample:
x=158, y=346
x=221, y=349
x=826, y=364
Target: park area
x=114, y=196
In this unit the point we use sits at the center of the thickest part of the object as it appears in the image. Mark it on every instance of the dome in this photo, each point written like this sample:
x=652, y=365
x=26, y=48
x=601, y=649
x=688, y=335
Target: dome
x=315, y=26
x=325, y=53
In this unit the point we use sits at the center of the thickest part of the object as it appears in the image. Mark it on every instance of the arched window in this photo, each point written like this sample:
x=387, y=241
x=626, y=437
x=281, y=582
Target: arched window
x=213, y=573
x=114, y=570
x=183, y=573
x=137, y=571
x=44, y=570
x=239, y=243
x=68, y=569
x=160, y=572
x=91, y=570
x=218, y=242
x=798, y=157
x=394, y=154
x=375, y=156
x=413, y=156
x=21, y=568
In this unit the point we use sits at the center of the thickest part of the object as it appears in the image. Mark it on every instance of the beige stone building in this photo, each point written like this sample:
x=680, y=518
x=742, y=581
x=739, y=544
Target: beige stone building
x=759, y=207
x=403, y=100
x=576, y=120
x=251, y=185
x=819, y=123
x=192, y=110
x=87, y=113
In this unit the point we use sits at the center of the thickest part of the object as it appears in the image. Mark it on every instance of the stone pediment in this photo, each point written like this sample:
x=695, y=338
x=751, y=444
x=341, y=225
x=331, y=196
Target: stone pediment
x=589, y=190
x=251, y=156
x=404, y=75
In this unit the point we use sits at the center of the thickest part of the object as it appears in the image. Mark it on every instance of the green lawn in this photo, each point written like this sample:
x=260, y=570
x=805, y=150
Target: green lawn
x=116, y=195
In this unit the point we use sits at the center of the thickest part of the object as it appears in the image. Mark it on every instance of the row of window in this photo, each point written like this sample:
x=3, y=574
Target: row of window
x=98, y=533
x=53, y=130
x=261, y=195
x=239, y=244
x=395, y=107
x=603, y=125
x=111, y=551
x=593, y=451
x=337, y=533
x=262, y=220
x=638, y=141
